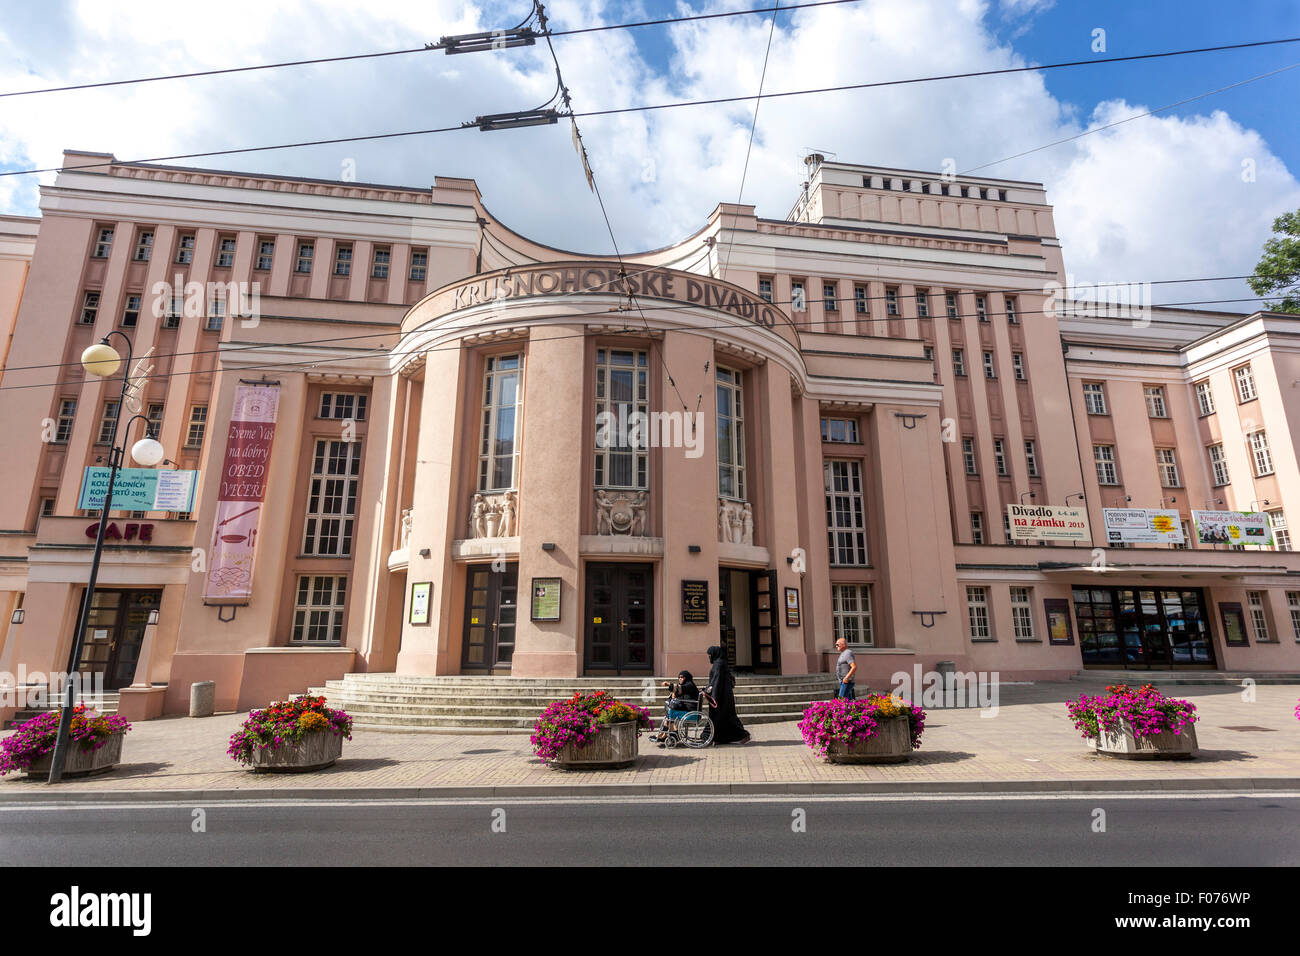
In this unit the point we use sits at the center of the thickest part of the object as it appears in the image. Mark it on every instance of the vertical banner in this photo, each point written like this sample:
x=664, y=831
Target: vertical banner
x=240, y=494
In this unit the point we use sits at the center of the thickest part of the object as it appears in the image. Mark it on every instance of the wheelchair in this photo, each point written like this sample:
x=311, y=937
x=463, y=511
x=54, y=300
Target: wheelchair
x=687, y=723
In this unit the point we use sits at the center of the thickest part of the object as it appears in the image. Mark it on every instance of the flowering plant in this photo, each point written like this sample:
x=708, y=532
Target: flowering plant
x=844, y=720
x=286, y=722
x=34, y=739
x=579, y=719
x=1146, y=709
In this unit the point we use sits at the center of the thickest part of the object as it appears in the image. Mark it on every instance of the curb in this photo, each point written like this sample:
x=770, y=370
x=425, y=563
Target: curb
x=841, y=788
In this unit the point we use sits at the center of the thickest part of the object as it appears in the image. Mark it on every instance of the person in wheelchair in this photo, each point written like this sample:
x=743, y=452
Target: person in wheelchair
x=683, y=696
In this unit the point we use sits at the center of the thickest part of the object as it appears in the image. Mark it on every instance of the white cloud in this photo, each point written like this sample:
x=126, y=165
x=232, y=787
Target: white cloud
x=1153, y=198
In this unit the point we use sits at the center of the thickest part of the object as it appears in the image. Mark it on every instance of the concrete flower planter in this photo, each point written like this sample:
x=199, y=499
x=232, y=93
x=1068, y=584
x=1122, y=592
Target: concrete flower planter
x=82, y=763
x=891, y=744
x=613, y=748
x=314, y=752
x=1163, y=746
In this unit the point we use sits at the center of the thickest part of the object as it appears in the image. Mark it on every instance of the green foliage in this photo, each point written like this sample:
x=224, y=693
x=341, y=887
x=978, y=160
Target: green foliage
x=1278, y=270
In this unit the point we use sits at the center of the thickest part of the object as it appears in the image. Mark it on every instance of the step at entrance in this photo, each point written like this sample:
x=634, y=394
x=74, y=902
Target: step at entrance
x=105, y=703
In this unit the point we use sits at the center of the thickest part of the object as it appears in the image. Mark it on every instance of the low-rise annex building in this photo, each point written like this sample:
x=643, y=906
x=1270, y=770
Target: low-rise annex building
x=427, y=444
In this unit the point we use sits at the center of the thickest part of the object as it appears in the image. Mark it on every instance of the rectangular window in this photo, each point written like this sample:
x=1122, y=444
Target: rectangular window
x=922, y=305
x=851, y=610
x=1022, y=614
x=1000, y=457
x=1187, y=538
x=89, y=309
x=950, y=303
x=846, y=523
x=318, y=610
x=107, y=424
x=798, y=300
x=1204, y=398
x=891, y=302
x=103, y=243
x=1013, y=317
x=306, y=253
x=47, y=507
x=185, y=248
x=1293, y=605
x=1167, y=465
x=968, y=455
x=420, y=265
x=1260, y=454
x=977, y=527
x=765, y=288
x=67, y=412
x=990, y=371
x=265, y=254
x=958, y=362
x=1245, y=379
x=226, y=252
x=731, y=434
x=1155, y=396
x=1094, y=398
x=216, y=313
x=498, y=452
x=343, y=259
x=344, y=405
x=1281, y=536
x=1104, y=457
x=840, y=429
x=379, y=266
x=198, y=423
x=1219, y=465
x=1258, y=618
x=131, y=314
x=830, y=297
x=143, y=245
x=153, y=418
x=1018, y=365
x=622, y=398
x=860, y=299
x=977, y=609
x=332, y=498
x=928, y=351
x=982, y=308
x=1031, y=458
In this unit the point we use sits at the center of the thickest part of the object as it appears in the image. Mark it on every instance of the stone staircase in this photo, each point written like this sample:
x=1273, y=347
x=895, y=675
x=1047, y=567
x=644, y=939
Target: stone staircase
x=1136, y=678
x=460, y=704
x=105, y=703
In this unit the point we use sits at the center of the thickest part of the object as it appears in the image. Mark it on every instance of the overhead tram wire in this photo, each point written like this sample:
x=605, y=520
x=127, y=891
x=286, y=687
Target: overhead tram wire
x=1129, y=119
x=749, y=148
x=237, y=349
x=680, y=104
x=427, y=48
x=799, y=325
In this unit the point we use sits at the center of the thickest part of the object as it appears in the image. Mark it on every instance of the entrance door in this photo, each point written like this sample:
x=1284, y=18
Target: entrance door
x=749, y=619
x=1136, y=628
x=491, y=609
x=620, y=619
x=765, y=610
x=114, y=633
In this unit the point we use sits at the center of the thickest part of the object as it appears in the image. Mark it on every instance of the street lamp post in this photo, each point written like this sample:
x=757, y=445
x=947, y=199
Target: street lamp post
x=100, y=360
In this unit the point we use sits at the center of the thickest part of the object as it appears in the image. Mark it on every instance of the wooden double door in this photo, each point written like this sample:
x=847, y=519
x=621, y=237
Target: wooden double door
x=619, y=629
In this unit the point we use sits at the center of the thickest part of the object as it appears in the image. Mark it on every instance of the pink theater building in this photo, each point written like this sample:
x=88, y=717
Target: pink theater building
x=841, y=404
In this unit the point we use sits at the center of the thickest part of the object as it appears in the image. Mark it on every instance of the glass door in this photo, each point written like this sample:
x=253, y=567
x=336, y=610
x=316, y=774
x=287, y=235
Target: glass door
x=491, y=614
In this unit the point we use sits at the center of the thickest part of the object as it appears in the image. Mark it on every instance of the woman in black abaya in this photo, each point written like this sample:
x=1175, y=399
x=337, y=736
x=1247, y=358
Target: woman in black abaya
x=727, y=728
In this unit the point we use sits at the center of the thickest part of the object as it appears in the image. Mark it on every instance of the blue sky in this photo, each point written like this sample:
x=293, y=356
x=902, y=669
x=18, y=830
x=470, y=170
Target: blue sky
x=1154, y=198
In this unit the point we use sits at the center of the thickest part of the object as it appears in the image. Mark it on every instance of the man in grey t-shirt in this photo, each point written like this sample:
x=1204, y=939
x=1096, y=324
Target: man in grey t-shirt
x=845, y=668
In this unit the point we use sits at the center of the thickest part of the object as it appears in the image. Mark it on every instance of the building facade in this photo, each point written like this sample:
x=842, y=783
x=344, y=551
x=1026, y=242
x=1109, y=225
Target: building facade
x=427, y=444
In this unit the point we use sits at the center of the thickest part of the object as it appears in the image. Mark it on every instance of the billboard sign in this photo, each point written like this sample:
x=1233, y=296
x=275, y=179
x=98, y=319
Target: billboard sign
x=1047, y=523
x=1233, y=527
x=1143, y=526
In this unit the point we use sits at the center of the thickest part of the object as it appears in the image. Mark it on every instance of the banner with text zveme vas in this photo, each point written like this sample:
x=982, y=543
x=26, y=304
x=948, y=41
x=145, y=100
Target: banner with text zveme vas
x=240, y=494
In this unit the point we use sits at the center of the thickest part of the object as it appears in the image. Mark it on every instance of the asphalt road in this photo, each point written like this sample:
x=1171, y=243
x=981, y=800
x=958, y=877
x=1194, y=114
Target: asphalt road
x=1241, y=830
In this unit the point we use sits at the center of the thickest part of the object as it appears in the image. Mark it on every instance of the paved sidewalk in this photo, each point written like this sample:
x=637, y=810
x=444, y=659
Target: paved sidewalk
x=1031, y=745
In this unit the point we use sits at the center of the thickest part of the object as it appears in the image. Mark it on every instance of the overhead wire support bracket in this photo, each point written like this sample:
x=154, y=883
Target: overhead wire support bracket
x=483, y=42
x=491, y=121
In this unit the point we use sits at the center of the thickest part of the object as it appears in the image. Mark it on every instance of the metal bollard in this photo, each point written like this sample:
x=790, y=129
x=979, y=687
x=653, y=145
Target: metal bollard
x=203, y=698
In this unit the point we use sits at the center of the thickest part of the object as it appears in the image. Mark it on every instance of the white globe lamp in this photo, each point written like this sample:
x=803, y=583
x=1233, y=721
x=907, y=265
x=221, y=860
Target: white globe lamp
x=101, y=360
x=148, y=452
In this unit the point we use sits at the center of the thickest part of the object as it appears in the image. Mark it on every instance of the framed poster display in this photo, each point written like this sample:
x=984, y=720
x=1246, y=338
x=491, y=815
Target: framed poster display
x=545, y=599
x=421, y=591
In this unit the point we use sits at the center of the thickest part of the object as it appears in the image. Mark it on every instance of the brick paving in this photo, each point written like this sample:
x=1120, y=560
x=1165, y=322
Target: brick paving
x=1029, y=744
